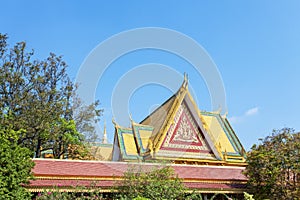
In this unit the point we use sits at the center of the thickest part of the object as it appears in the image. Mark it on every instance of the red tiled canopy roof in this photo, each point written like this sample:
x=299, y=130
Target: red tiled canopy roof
x=66, y=173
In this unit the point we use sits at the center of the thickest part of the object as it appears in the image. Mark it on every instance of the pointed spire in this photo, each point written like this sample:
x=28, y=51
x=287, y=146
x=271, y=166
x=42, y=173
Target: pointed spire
x=104, y=139
x=130, y=117
x=113, y=121
x=225, y=115
x=184, y=86
x=185, y=81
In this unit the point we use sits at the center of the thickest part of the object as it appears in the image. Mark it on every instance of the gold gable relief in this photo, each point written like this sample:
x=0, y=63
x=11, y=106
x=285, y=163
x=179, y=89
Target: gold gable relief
x=184, y=134
x=186, y=126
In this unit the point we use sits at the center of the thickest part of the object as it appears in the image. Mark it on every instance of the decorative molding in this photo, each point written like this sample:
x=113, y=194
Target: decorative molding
x=184, y=126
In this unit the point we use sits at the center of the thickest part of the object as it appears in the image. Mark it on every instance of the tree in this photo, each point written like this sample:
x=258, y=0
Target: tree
x=15, y=165
x=39, y=95
x=86, y=116
x=80, y=152
x=160, y=183
x=274, y=166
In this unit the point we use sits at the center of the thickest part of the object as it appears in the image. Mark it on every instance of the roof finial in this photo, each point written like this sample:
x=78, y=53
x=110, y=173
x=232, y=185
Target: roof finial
x=114, y=121
x=186, y=80
x=131, y=120
x=130, y=117
x=104, y=139
x=225, y=115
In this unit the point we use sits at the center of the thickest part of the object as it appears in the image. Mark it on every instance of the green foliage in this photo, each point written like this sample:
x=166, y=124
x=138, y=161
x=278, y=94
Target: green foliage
x=86, y=116
x=194, y=196
x=78, y=192
x=274, y=166
x=80, y=152
x=140, y=198
x=248, y=196
x=15, y=165
x=158, y=184
x=39, y=96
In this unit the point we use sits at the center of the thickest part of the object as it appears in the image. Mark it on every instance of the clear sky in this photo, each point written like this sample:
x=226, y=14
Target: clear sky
x=255, y=46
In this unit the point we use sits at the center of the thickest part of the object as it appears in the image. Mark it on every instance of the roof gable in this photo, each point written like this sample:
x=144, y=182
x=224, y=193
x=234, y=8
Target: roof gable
x=182, y=100
x=102, y=151
x=224, y=135
x=178, y=130
x=142, y=133
x=124, y=144
x=186, y=139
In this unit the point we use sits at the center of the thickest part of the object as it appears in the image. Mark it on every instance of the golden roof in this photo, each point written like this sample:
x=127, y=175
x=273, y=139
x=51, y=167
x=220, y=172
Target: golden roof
x=178, y=130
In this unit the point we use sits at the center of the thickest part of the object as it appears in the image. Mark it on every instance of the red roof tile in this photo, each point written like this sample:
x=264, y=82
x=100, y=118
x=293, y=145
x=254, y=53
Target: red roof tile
x=210, y=172
x=67, y=183
x=51, y=172
x=52, y=167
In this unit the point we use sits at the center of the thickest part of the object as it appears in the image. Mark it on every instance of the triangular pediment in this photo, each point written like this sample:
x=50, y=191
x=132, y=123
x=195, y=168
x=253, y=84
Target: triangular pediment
x=142, y=134
x=124, y=147
x=185, y=132
x=185, y=138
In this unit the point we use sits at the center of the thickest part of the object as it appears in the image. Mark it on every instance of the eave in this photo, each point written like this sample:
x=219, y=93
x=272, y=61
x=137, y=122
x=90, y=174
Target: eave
x=65, y=175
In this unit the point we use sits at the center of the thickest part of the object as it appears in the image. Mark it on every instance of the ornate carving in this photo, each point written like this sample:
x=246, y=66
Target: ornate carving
x=185, y=132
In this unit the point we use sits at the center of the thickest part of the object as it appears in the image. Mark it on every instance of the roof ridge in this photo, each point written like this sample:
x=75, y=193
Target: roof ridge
x=135, y=163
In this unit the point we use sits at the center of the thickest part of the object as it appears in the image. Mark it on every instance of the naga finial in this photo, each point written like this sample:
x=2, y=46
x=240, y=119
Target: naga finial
x=114, y=121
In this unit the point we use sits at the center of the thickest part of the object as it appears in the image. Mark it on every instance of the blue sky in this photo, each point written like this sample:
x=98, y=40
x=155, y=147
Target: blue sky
x=255, y=45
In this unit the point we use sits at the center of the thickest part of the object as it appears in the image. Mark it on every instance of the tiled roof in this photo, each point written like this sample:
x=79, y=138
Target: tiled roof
x=157, y=117
x=53, y=167
x=223, y=133
x=67, y=183
x=125, y=142
x=210, y=172
x=102, y=151
x=64, y=173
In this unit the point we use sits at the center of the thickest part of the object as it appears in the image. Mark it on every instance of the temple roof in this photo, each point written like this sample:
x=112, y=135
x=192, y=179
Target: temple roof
x=157, y=118
x=178, y=130
x=101, y=151
x=68, y=173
